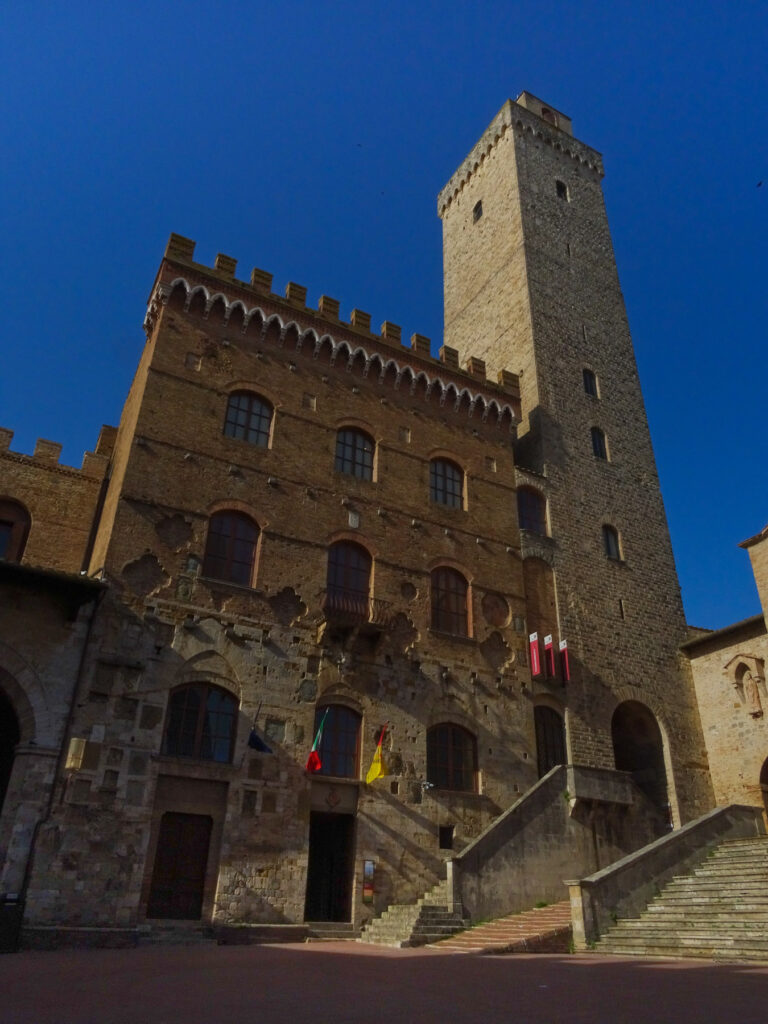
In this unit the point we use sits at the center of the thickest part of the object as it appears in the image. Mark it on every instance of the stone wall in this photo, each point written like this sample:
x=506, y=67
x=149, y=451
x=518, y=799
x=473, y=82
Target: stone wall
x=44, y=624
x=728, y=671
x=573, y=822
x=62, y=501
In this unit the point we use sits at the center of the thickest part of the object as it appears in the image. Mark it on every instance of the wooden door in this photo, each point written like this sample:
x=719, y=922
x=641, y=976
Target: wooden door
x=331, y=867
x=178, y=877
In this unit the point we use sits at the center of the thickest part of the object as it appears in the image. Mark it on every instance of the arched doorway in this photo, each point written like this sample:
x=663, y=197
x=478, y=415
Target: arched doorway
x=764, y=784
x=10, y=735
x=550, y=738
x=638, y=748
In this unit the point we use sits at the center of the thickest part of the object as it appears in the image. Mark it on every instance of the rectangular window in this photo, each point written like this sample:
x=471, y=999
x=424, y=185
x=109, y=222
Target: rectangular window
x=445, y=837
x=590, y=383
x=446, y=482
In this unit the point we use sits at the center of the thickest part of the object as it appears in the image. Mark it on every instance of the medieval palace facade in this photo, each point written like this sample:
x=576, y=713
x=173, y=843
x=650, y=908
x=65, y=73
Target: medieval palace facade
x=302, y=526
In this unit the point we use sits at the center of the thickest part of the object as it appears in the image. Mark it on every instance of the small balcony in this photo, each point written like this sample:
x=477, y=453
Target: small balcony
x=351, y=609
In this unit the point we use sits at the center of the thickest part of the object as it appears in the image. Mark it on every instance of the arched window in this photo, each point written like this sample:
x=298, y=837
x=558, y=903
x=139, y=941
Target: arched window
x=449, y=601
x=14, y=528
x=452, y=758
x=550, y=738
x=590, y=382
x=599, y=446
x=446, y=483
x=249, y=418
x=611, y=544
x=340, y=742
x=230, y=549
x=201, y=723
x=532, y=511
x=348, y=583
x=562, y=190
x=354, y=453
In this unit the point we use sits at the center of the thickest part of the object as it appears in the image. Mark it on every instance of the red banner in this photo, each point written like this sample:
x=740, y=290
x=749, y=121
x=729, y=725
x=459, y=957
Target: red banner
x=549, y=656
x=565, y=668
x=533, y=644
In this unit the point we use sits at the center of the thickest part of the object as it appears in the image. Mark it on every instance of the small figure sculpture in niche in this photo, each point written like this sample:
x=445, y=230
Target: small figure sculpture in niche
x=752, y=695
x=747, y=673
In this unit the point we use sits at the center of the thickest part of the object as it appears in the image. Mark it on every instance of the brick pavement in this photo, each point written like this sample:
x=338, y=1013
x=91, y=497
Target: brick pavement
x=339, y=982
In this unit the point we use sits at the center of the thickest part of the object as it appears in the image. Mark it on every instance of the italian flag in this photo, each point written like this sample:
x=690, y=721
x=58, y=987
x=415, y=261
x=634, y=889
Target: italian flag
x=314, y=764
x=378, y=767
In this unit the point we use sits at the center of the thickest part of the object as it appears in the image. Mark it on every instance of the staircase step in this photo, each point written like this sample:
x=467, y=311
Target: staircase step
x=545, y=926
x=719, y=909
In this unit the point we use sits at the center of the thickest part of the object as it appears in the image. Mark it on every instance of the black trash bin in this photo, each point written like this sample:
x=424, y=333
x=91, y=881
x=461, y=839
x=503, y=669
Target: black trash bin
x=11, y=912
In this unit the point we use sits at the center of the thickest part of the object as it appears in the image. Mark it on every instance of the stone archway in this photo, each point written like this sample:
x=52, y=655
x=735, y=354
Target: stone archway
x=764, y=785
x=638, y=748
x=10, y=734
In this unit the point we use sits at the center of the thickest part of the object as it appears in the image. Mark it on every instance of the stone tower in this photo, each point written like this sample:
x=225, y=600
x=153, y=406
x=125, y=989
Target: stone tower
x=531, y=284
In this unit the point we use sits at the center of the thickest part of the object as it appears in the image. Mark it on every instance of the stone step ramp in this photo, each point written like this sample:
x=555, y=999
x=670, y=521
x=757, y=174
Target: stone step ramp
x=541, y=929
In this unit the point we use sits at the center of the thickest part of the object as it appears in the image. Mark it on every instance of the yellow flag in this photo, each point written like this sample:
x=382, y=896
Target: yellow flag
x=378, y=768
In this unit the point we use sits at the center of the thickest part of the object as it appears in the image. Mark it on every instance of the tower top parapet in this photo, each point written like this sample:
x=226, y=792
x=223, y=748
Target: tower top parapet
x=525, y=114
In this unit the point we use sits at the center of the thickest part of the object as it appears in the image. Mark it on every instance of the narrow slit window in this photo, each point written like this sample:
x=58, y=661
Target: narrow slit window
x=477, y=211
x=611, y=544
x=599, y=446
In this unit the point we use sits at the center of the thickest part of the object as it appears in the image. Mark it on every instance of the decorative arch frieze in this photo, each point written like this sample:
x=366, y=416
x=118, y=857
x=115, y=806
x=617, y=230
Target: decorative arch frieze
x=490, y=409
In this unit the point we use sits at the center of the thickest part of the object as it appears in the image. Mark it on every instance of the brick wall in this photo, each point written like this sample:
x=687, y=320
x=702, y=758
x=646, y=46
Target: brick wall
x=61, y=501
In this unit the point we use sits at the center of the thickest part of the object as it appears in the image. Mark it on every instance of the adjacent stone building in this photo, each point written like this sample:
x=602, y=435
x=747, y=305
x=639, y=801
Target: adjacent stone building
x=302, y=524
x=728, y=670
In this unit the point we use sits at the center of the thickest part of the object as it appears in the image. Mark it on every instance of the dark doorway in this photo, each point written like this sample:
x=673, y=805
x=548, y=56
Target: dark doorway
x=178, y=878
x=637, y=748
x=9, y=738
x=550, y=738
x=764, y=784
x=331, y=867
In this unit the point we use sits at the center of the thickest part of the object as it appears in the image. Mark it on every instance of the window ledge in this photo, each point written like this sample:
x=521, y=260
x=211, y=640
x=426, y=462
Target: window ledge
x=436, y=791
x=336, y=780
x=196, y=765
x=534, y=535
x=227, y=585
x=440, y=635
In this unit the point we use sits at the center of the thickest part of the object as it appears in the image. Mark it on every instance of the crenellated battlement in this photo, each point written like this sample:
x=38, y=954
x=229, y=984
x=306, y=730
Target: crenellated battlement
x=46, y=454
x=206, y=285
x=525, y=114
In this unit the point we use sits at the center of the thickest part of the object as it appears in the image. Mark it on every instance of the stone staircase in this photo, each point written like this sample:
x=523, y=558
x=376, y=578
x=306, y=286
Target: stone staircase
x=719, y=910
x=540, y=930
x=429, y=919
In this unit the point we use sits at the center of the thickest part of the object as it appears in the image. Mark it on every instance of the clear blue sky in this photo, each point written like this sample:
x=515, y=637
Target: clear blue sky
x=311, y=139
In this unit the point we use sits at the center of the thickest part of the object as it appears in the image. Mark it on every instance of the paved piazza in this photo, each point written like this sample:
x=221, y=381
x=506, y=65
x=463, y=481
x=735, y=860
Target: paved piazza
x=334, y=982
